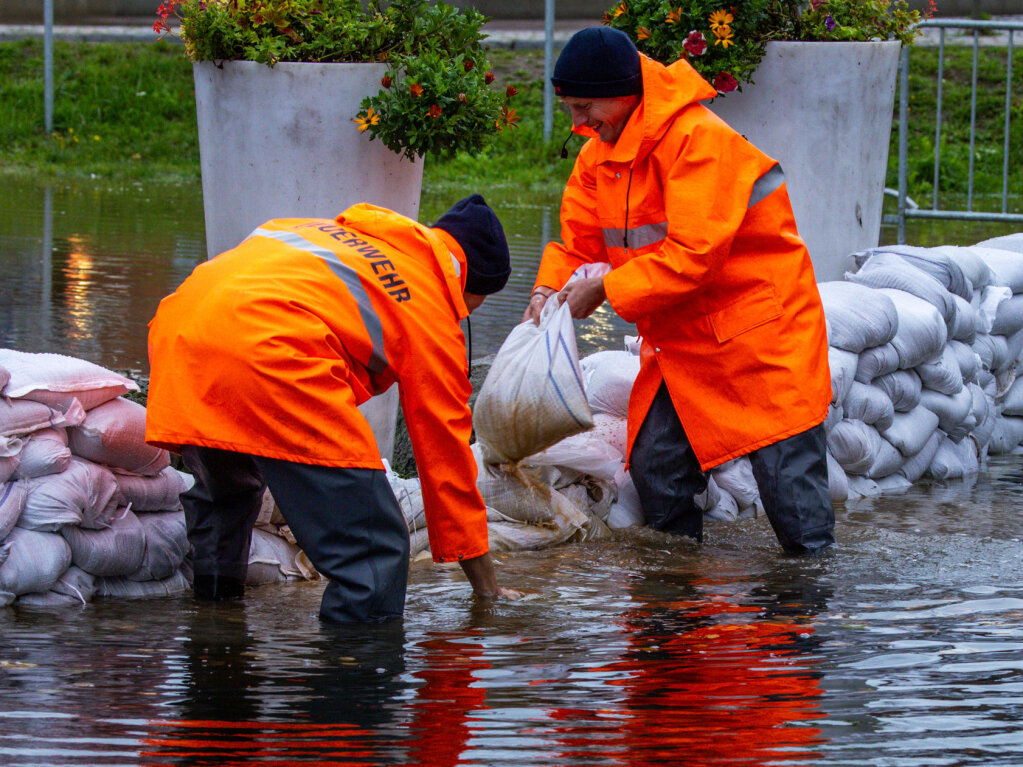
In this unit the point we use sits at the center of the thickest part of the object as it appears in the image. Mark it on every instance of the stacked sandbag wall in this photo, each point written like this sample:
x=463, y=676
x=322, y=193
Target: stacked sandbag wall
x=87, y=509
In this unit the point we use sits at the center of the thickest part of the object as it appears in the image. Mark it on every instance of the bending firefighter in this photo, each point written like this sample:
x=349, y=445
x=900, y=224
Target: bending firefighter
x=259, y=361
x=706, y=260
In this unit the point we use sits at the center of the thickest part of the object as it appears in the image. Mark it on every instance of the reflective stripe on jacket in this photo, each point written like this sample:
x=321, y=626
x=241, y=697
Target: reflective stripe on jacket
x=697, y=225
x=268, y=348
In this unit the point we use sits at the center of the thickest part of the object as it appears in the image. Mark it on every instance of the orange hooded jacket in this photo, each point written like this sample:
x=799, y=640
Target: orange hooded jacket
x=268, y=348
x=697, y=225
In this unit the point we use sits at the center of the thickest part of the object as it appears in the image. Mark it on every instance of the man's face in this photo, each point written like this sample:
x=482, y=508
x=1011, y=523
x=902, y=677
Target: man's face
x=605, y=116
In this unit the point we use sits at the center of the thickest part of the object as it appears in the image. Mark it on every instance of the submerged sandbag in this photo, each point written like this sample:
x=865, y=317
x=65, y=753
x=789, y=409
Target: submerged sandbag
x=113, y=434
x=166, y=546
x=273, y=559
x=122, y=588
x=34, y=561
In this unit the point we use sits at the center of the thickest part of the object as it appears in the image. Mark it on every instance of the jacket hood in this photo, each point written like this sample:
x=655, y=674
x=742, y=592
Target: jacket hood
x=409, y=237
x=667, y=90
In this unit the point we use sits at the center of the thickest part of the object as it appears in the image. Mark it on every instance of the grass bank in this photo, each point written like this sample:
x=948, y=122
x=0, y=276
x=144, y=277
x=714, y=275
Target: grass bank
x=126, y=111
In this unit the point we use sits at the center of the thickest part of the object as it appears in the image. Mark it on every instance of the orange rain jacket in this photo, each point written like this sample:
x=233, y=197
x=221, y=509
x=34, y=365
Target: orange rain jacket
x=268, y=348
x=697, y=225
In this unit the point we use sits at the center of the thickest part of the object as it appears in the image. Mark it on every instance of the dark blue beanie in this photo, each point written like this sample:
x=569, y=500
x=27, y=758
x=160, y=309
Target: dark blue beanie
x=477, y=229
x=598, y=63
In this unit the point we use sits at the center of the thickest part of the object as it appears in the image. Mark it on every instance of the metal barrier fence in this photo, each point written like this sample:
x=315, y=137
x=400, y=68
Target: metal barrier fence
x=907, y=208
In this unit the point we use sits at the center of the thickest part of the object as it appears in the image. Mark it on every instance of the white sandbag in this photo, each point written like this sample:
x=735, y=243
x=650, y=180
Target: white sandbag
x=5, y=376
x=870, y=404
x=159, y=493
x=916, y=465
x=592, y=452
x=122, y=588
x=894, y=483
x=910, y=431
x=877, y=361
x=954, y=461
x=54, y=379
x=973, y=266
x=939, y=263
x=1012, y=403
x=34, y=562
x=114, y=551
x=48, y=599
x=843, y=366
x=736, y=478
x=519, y=494
x=409, y=494
x=569, y=522
x=1006, y=434
x=835, y=414
x=533, y=395
x=987, y=308
x=113, y=434
x=1009, y=316
x=992, y=350
x=838, y=482
x=888, y=271
x=887, y=461
x=854, y=445
x=1006, y=265
x=983, y=415
x=943, y=374
x=82, y=494
x=13, y=496
x=9, y=466
x=1013, y=242
x=966, y=323
x=967, y=360
x=166, y=545
x=862, y=487
x=717, y=504
x=608, y=377
x=858, y=317
x=272, y=559
x=45, y=452
x=76, y=585
x=903, y=388
x=626, y=511
x=22, y=416
x=921, y=333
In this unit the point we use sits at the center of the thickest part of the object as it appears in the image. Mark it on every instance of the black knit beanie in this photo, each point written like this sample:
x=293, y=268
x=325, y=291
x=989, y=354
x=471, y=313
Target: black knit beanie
x=599, y=63
x=477, y=229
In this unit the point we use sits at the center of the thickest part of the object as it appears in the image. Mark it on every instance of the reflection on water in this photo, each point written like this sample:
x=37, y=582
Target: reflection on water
x=903, y=647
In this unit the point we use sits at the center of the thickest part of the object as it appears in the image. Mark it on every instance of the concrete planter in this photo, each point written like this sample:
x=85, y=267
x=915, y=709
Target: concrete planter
x=280, y=142
x=824, y=111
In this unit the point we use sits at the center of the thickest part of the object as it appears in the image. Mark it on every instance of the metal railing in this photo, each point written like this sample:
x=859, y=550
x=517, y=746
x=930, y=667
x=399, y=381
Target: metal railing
x=907, y=208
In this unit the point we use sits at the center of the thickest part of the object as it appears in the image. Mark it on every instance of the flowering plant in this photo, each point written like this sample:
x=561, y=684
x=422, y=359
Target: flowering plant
x=724, y=40
x=437, y=95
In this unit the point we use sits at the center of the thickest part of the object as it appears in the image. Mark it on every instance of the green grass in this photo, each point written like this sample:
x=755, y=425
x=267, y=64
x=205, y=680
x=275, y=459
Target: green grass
x=126, y=111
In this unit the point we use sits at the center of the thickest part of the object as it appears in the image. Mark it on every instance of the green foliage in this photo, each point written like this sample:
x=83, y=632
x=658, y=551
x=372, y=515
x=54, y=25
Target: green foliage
x=725, y=40
x=429, y=46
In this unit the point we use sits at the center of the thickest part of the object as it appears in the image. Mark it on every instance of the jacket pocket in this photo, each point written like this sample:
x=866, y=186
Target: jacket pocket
x=751, y=311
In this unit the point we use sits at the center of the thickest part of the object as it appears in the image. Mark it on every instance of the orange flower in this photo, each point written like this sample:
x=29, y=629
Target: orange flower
x=510, y=91
x=720, y=18
x=386, y=81
x=724, y=37
x=468, y=65
x=674, y=16
x=623, y=8
x=605, y=18
x=642, y=33
x=435, y=111
x=488, y=78
x=510, y=118
x=416, y=90
x=364, y=121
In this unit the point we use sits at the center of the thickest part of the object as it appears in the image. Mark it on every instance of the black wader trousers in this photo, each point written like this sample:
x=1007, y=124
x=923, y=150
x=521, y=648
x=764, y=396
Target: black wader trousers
x=347, y=521
x=792, y=476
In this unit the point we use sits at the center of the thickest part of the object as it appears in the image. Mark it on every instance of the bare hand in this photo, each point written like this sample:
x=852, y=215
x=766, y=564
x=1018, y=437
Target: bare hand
x=584, y=296
x=536, y=304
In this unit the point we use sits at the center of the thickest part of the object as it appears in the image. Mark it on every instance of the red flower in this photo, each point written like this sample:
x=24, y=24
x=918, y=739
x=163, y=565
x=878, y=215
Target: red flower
x=695, y=44
x=386, y=81
x=416, y=90
x=510, y=91
x=469, y=65
x=724, y=83
x=435, y=111
x=488, y=78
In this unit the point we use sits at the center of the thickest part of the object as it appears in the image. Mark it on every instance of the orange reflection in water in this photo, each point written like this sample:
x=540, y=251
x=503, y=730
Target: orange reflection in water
x=78, y=275
x=705, y=681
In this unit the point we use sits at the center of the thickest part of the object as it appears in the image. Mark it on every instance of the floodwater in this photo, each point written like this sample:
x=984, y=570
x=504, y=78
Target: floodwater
x=902, y=647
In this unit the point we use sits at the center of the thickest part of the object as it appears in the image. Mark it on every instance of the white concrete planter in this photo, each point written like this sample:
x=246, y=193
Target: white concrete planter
x=280, y=142
x=824, y=111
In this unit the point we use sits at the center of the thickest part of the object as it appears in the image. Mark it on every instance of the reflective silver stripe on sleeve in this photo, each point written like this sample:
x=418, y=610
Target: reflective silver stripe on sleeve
x=639, y=237
x=378, y=358
x=766, y=184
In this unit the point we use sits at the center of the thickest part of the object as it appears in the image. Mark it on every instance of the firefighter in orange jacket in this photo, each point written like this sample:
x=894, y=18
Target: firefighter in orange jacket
x=259, y=361
x=706, y=260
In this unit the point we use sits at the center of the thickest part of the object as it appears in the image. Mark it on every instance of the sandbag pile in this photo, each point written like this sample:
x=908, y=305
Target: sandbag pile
x=87, y=509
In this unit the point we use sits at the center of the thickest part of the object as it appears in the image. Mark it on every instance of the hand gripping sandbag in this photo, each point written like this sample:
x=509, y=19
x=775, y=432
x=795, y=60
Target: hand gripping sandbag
x=533, y=395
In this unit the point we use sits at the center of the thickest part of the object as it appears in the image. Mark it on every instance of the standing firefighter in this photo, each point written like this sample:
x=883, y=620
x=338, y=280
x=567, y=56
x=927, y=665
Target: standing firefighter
x=259, y=361
x=697, y=225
